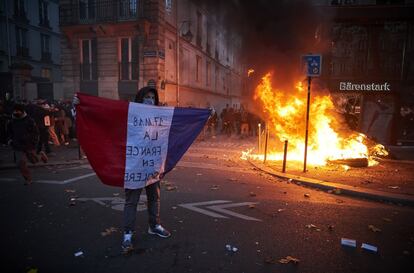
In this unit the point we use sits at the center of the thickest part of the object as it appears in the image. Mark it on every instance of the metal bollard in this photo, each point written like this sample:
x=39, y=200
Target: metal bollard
x=259, y=135
x=265, y=152
x=284, y=157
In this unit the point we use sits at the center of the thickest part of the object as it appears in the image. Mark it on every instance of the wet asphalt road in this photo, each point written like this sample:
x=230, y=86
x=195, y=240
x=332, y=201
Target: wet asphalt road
x=265, y=218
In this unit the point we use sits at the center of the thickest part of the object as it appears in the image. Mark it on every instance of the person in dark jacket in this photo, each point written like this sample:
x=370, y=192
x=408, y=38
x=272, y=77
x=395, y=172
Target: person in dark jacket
x=146, y=95
x=42, y=120
x=23, y=138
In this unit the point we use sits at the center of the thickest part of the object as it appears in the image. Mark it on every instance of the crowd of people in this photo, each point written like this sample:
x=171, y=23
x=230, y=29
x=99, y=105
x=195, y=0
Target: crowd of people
x=54, y=121
x=31, y=127
x=232, y=121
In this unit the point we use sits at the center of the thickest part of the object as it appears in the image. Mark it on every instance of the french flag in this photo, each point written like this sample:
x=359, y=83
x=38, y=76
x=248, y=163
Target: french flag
x=132, y=145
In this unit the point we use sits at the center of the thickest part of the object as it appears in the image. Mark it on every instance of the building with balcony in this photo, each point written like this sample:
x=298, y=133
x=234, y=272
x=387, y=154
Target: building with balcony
x=369, y=65
x=30, y=49
x=113, y=48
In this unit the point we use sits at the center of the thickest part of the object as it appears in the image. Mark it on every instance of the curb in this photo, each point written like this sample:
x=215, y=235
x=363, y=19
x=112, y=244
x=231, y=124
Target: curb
x=71, y=162
x=345, y=189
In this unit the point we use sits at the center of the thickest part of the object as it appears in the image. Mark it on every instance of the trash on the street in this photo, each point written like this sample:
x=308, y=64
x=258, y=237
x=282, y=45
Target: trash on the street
x=374, y=228
x=289, y=259
x=231, y=248
x=252, y=206
x=109, y=231
x=307, y=195
x=310, y=226
x=336, y=191
x=369, y=247
x=252, y=194
x=280, y=210
x=393, y=187
x=115, y=194
x=174, y=207
x=166, y=183
x=214, y=187
x=348, y=242
x=386, y=219
x=171, y=188
x=40, y=206
x=79, y=253
x=290, y=180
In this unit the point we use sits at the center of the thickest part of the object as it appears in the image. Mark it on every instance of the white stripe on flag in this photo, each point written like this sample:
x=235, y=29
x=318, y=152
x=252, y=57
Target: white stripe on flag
x=147, y=143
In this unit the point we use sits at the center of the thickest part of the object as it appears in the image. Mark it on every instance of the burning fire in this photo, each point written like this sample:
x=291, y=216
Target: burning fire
x=329, y=139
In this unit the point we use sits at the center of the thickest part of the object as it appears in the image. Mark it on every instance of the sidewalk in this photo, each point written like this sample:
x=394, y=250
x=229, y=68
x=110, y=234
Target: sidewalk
x=60, y=155
x=390, y=181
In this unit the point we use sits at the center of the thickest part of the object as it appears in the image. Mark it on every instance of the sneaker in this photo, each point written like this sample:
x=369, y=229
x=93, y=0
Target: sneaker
x=127, y=243
x=160, y=231
x=43, y=157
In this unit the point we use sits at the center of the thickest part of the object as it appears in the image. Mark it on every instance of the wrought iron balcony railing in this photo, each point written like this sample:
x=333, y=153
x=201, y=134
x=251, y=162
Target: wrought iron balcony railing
x=100, y=11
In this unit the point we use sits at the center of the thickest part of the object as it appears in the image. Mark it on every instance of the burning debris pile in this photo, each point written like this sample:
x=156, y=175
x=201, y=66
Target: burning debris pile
x=330, y=139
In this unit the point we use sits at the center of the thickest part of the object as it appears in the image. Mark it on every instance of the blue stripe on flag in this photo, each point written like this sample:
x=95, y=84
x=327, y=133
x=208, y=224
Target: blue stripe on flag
x=186, y=124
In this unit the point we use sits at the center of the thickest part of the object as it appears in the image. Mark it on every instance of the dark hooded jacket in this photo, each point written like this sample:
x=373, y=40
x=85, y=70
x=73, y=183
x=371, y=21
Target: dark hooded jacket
x=23, y=133
x=144, y=90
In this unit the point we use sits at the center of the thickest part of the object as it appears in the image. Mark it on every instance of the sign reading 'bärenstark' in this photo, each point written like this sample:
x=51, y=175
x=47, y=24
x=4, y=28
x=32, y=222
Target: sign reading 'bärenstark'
x=349, y=86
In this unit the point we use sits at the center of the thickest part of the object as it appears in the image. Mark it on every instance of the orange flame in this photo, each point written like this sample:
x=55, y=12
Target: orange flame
x=285, y=115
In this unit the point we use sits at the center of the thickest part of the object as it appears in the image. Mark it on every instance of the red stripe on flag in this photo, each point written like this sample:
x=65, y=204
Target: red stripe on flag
x=101, y=126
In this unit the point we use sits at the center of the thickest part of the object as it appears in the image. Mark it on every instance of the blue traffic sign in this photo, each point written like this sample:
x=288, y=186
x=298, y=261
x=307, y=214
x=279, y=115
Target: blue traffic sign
x=312, y=64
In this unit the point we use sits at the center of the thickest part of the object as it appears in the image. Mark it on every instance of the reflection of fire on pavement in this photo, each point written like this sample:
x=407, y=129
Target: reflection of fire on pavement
x=330, y=139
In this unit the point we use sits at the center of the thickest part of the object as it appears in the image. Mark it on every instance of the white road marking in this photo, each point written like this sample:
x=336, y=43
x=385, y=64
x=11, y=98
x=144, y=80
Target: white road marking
x=219, y=208
x=192, y=206
x=67, y=181
x=78, y=178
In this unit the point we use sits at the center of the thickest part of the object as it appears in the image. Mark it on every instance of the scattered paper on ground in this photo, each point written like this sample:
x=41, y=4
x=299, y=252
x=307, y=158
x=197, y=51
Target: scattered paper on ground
x=289, y=259
x=374, y=228
x=109, y=231
x=171, y=188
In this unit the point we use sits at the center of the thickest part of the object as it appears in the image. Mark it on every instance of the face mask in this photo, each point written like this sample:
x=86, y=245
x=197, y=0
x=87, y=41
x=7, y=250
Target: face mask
x=148, y=101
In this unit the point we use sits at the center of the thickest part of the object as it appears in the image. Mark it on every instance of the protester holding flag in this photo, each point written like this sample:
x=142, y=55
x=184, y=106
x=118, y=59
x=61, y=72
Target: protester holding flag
x=146, y=95
x=135, y=146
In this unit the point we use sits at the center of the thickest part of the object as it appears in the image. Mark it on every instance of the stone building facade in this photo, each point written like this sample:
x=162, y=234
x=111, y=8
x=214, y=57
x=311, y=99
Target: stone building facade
x=30, y=49
x=113, y=48
x=369, y=66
